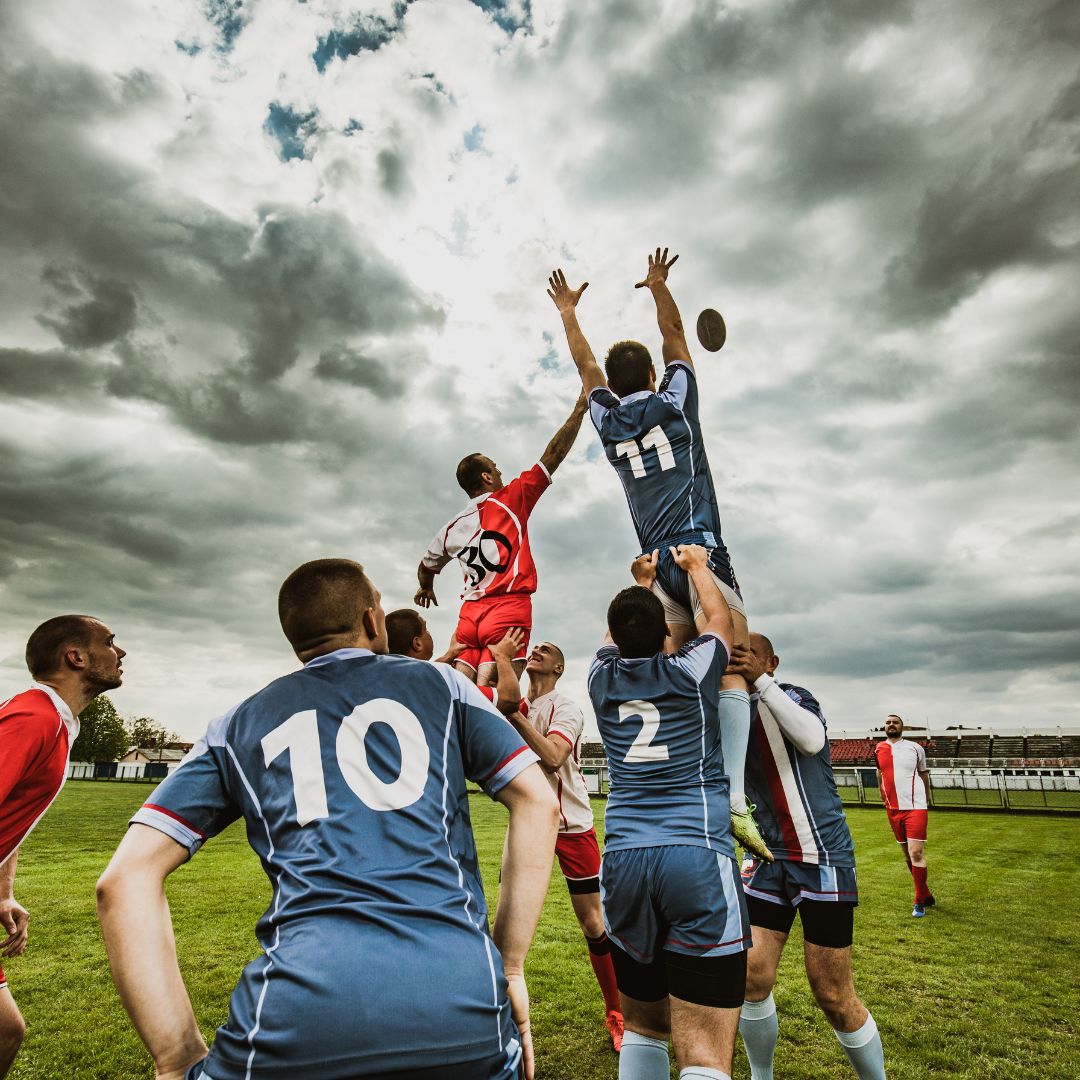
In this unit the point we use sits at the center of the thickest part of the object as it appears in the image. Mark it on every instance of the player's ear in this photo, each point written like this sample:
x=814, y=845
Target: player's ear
x=75, y=659
x=369, y=624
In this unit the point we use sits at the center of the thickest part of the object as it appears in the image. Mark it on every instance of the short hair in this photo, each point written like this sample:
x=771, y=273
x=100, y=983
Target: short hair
x=636, y=622
x=627, y=365
x=323, y=599
x=402, y=626
x=48, y=643
x=894, y=716
x=469, y=471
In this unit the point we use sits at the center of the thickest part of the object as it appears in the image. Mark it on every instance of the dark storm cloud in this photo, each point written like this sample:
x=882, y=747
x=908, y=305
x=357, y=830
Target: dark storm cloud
x=103, y=310
x=343, y=364
x=47, y=374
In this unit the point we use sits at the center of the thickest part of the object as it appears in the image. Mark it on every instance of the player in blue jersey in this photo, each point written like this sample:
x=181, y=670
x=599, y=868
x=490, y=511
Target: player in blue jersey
x=673, y=903
x=789, y=776
x=350, y=776
x=652, y=437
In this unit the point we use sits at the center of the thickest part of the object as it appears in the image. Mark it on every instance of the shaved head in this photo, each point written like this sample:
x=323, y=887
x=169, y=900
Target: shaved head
x=48, y=643
x=762, y=645
x=322, y=604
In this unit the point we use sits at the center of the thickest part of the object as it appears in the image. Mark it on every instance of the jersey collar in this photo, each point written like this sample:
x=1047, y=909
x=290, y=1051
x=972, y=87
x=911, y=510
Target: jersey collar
x=637, y=395
x=336, y=655
x=70, y=722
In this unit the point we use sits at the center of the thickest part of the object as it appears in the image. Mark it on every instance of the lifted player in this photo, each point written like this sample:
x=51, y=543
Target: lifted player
x=789, y=775
x=490, y=540
x=652, y=437
x=72, y=659
x=673, y=902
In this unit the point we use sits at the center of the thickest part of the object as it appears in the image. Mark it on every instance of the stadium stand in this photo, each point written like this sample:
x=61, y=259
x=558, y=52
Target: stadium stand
x=974, y=747
x=1040, y=747
x=946, y=748
x=1007, y=748
x=850, y=751
x=592, y=750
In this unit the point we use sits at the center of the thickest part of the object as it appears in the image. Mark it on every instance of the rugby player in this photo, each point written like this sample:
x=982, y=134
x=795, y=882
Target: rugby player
x=350, y=775
x=490, y=539
x=72, y=659
x=652, y=437
x=552, y=726
x=673, y=903
x=789, y=776
x=905, y=785
x=407, y=634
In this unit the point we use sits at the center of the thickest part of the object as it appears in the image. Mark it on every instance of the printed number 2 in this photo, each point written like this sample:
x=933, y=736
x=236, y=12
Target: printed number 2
x=300, y=736
x=642, y=748
x=654, y=439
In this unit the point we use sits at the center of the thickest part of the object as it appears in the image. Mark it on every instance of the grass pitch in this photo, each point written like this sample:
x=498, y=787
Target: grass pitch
x=986, y=986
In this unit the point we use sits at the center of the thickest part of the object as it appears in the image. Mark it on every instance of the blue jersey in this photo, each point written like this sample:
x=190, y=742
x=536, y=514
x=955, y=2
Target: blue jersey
x=798, y=807
x=654, y=443
x=661, y=733
x=350, y=776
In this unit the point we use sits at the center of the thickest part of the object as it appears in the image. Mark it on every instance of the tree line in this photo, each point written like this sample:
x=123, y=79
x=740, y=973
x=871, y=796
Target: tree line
x=104, y=735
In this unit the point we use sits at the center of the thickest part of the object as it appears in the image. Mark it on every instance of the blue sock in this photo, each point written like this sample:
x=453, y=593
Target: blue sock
x=734, y=709
x=699, y=1072
x=643, y=1058
x=863, y=1049
x=760, y=1029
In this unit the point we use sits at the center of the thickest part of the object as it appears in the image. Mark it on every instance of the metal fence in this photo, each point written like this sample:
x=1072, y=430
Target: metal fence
x=153, y=771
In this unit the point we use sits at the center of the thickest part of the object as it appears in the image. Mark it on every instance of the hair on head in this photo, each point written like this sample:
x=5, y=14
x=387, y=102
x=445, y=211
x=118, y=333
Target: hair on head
x=627, y=366
x=323, y=599
x=767, y=643
x=47, y=644
x=469, y=472
x=402, y=626
x=636, y=622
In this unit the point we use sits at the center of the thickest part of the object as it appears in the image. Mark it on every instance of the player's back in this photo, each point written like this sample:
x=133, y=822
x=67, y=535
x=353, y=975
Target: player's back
x=350, y=775
x=654, y=443
x=661, y=732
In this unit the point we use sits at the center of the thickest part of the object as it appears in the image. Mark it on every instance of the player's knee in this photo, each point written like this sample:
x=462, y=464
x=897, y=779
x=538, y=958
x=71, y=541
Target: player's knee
x=759, y=981
x=835, y=999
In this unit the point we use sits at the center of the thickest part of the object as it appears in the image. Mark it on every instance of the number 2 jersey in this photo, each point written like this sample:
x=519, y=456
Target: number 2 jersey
x=654, y=443
x=490, y=538
x=661, y=732
x=350, y=776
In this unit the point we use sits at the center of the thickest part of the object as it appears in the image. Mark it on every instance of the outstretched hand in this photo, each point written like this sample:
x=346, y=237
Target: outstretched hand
x=643, y=569
x=564, y=297
x=659, y=265
x=425, y=598
x=745, y=663
x=508, y=647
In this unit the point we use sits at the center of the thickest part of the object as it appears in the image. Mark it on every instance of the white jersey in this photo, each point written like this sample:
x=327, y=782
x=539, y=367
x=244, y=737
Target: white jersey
x=900, y=763
x=555, y=714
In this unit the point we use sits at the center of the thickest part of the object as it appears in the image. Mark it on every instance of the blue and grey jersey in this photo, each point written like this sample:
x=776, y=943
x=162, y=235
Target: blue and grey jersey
x=798, y=807
x=654, y=443
x=350, y=777
x=661, y=732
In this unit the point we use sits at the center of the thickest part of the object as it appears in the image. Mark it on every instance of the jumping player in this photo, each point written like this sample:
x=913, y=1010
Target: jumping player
x=673, y=903
x=490, y=540
x=72, y=659
x=652, y=437
x=905, y=784
x=789, y=776
x=350, y=774
x=552, y=726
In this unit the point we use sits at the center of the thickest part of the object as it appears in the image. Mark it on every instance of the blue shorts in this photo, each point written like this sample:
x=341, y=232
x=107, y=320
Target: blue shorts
x=677, y=898
x=789, y=883
x=676, y=591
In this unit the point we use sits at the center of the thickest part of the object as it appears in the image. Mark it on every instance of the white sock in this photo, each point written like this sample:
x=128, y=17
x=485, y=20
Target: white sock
x=760, y=1029
x=643, y=1058
x=734, y=709
x=699, y=1072
x=864, y=1051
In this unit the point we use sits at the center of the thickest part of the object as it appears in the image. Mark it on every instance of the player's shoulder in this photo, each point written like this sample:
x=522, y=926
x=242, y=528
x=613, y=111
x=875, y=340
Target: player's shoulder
x=31, y=707
x=801, y=696
x=674, y=370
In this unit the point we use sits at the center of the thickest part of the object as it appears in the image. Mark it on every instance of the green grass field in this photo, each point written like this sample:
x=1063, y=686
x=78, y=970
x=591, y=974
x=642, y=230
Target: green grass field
x=986, y=986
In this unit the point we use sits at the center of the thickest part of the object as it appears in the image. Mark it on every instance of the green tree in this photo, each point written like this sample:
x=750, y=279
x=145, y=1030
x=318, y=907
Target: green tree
x=147, y=733
x=102, y=735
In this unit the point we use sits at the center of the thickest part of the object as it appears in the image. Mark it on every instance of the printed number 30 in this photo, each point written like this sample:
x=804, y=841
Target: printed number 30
x=300, y=736
x=653, y=438
x=642, y=748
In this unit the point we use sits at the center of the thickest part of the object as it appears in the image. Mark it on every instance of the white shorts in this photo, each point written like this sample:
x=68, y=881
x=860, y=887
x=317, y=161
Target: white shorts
x=676, y=613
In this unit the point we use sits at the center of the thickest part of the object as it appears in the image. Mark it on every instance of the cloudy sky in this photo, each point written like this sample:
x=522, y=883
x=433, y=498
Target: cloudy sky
x=270, y=268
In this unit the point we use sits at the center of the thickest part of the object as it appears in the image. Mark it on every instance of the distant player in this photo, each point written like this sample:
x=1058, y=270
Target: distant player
x=407, y=634
x=673, y=902
x=905, y=784
x=552, y=726
x=350, y=775
x=789, y=776
x=72, y=659
x=490, y=539
x=652, y=437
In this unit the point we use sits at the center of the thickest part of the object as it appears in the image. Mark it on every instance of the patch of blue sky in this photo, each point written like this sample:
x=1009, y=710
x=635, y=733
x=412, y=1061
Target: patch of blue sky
x=509, y=15
x=289, y=128
x=227, y=18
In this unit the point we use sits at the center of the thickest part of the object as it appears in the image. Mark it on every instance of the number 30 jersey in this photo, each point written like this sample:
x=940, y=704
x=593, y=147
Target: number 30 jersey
x=653, y=441
x=661, y=732
x=350, y=776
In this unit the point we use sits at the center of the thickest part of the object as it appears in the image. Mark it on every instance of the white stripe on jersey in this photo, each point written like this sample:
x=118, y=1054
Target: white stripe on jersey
x=792, y=793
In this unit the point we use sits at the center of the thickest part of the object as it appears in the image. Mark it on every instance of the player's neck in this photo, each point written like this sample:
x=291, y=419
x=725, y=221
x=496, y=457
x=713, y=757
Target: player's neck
x=71, y=691
x=539, y=685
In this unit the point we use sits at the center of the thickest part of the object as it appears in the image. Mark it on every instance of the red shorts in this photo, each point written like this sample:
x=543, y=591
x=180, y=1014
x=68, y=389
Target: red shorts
x=3, y=979
x=579, y=860
x=485, y=621
x=907, y=824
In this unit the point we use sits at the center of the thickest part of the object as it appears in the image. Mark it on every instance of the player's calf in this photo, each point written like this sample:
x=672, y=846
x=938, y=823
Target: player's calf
x=12, y=1029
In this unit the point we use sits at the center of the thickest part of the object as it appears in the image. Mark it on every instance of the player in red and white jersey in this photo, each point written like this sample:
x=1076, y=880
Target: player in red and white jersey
x=72, y=659
x=490, y=539
x=905, y=785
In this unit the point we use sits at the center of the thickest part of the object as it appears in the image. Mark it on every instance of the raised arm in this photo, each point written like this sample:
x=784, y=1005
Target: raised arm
x=135, y=922
x=667, y=311
x=694, y=559
x=566, y=299
x=563, y=439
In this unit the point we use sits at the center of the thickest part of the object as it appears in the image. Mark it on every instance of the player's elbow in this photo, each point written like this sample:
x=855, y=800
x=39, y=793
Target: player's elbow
x=810, y=745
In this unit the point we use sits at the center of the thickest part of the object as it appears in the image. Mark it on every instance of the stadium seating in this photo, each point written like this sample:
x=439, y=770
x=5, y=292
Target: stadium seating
x=943, y=748
x=1041, y=747
x=1007, y=748
x=974, y=747
x=851, y=751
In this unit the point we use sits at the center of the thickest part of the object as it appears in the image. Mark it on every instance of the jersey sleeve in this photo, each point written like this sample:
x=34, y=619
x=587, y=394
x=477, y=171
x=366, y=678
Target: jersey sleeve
x=24, y=737
x=527, y=488
x=492, y=752
x=679, y=388
x=920, y=758
x=193, y=803
x=701, y=656
x=567, y=723
x=601, y=401
x=436, y=556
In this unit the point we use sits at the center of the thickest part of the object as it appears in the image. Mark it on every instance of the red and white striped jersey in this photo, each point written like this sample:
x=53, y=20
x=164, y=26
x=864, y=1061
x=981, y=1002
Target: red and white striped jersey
x=490, y=539
x=900, y=763
x=555, y=714
x=36, y=733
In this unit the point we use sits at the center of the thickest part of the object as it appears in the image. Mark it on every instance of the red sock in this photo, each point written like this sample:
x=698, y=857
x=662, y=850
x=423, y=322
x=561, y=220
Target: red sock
x=600, y=958
x=922, y=891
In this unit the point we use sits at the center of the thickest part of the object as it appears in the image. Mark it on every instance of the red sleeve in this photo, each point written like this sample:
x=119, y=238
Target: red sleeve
x=527, y=489
x=489, y=692
x=24, y=735
x=523, y=707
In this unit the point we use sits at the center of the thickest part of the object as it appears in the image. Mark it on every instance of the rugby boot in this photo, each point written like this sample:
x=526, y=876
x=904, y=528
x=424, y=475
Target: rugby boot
x=744, y=829
x=918, y=911
x=614, y=1023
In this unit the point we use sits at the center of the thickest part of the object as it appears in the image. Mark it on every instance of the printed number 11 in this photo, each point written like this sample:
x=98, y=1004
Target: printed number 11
x=654, y=439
